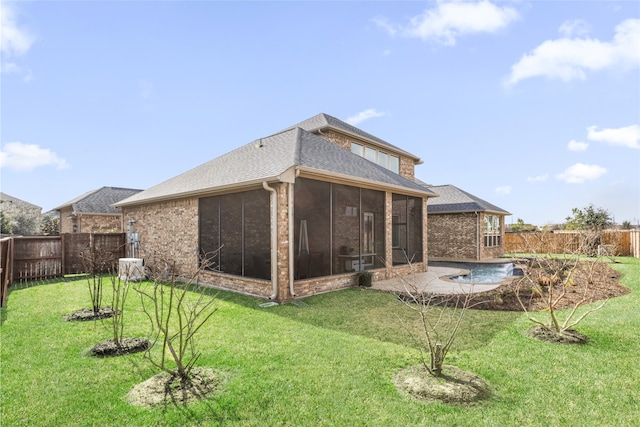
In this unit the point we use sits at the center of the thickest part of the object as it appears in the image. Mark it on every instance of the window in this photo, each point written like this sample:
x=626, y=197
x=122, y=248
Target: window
x=492, y=231
x=370, y=154
x=345, y=228
x=383, y=159
x=234, y=233
x=386, y=160
x=394, y=164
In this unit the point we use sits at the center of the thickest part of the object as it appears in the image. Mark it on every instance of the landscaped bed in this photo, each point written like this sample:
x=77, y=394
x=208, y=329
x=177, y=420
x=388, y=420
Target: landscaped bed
x=330, y=361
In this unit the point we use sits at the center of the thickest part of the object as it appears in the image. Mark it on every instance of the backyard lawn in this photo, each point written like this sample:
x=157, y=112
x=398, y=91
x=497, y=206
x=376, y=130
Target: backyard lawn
x=326, y=361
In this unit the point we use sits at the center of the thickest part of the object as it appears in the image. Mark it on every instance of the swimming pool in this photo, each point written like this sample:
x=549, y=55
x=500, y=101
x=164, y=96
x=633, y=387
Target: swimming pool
x=479, y=272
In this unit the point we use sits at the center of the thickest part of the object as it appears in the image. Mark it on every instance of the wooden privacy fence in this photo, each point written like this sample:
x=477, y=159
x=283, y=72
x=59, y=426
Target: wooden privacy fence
x=622, y=242
x=43, y=257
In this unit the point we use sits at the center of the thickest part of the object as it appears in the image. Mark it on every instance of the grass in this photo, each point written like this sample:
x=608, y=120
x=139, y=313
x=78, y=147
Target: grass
x=327, y=362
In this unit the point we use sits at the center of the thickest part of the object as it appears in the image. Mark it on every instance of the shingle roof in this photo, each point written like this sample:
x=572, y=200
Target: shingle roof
x=99, y=201
x=324, y=121
x=267, y=159
x=4, y=197
x=454, y=200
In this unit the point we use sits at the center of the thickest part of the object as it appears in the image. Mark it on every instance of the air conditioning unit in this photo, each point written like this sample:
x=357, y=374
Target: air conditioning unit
x=131, y=269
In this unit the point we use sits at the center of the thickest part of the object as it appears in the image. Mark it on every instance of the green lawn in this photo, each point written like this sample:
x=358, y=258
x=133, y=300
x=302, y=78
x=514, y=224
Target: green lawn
x=323, y=363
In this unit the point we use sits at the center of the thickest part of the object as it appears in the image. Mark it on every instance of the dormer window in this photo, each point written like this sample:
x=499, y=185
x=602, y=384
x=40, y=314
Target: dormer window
x=374, y=155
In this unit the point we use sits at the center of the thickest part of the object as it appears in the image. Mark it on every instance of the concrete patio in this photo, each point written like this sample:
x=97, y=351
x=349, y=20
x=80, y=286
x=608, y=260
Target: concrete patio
x=436, y=280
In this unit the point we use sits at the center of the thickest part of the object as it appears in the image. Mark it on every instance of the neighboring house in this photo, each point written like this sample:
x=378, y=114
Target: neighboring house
x=93, y=212
x=23, y=217
x=290, y=215
x=463, y=226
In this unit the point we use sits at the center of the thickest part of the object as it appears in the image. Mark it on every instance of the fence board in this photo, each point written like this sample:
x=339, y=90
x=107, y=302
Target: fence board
x=634, y=243
x=36, y=258
x=74, y=246
x=624, y=242
x=43, y=257
x=6, y=268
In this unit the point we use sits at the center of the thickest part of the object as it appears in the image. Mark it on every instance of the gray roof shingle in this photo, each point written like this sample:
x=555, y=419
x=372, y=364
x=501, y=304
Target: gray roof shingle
x=454, y=200
x=266, y=159
x=323, y=121
x=99, y=201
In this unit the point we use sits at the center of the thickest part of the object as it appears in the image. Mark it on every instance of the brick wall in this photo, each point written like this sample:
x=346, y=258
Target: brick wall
x=89, y=223
x=167, y=229
x=170, y=230
x=452, y=235
x=100, y=224
x=66, y=221
x=455, y=236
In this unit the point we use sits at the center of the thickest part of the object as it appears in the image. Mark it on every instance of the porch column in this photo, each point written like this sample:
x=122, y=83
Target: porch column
x=388, y=227
x=425, y=243
x=284, y=239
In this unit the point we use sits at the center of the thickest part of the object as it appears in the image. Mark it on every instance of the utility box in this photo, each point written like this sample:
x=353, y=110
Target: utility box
x=131, y=269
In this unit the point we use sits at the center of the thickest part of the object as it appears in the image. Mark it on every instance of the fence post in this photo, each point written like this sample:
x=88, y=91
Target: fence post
x=63, y=253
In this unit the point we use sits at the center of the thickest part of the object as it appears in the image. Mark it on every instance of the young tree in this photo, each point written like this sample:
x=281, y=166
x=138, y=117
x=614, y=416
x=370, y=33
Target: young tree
x=551, y=280
x=119, y=345
x=176, y=312
x=97, y=263
x=440, y=319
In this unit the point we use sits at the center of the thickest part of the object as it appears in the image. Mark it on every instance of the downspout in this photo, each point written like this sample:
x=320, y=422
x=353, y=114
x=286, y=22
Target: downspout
x=290, y=215
x=274, y=239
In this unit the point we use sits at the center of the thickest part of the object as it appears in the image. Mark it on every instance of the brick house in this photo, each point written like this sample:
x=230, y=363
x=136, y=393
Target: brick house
x=463, y=226
x=297, y=213
x=93, y=212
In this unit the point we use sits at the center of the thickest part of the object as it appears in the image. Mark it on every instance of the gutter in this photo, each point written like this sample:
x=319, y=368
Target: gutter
x=274, y=239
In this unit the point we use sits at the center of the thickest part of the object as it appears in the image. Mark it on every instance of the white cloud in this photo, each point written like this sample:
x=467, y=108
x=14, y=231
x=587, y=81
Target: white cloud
x=567, y=59
x=13, y=39
x=364, y=115
x=576, y=27
x=577, y=145
x=539, y=178
x=627, y=136
x=504, y=190
x=451, y=19
x=26, y=157
x=579, y=173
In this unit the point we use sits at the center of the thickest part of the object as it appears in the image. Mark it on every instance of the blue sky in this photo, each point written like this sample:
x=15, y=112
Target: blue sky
x=531, y=105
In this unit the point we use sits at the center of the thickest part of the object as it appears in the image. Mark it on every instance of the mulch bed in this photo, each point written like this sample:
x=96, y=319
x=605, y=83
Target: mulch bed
x=87, y=314
x=590, y=281
x=165, y=389
x=109, y=348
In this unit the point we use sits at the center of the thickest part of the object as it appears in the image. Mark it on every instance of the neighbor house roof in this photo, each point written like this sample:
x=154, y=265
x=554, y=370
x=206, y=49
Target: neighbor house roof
x=99, y=201
x=277, y=158
x=454, y=200
x=5, y=198
x=323, y=121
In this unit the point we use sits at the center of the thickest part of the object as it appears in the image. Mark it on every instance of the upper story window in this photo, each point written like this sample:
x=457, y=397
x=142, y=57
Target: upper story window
x=374, y=155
